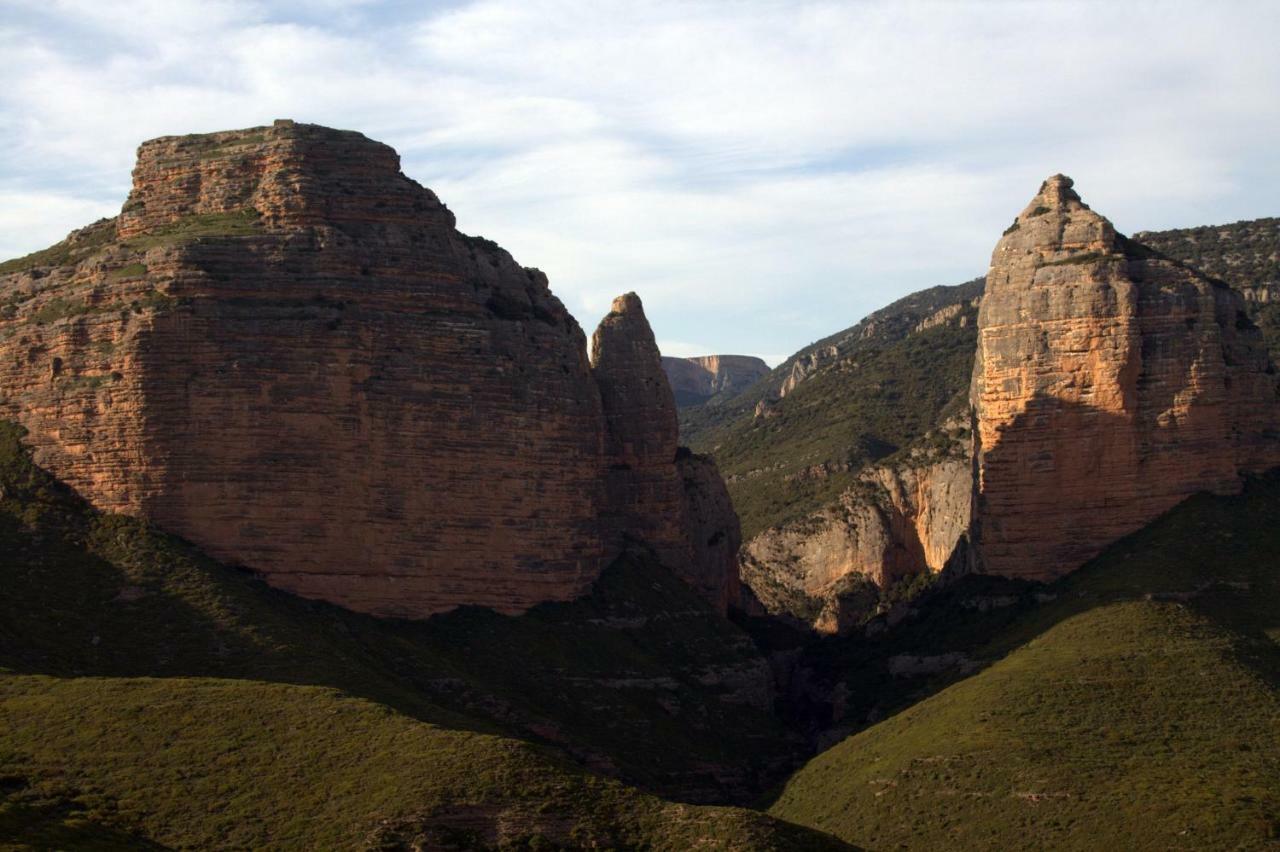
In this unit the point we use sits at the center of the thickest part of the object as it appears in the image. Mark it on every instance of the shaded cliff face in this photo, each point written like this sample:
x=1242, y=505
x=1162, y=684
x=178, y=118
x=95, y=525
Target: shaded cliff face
x=284, y=351
x=713, y=532
x=696, y=380
x=1110, y=383
x=1245, y=255
x=643, y=488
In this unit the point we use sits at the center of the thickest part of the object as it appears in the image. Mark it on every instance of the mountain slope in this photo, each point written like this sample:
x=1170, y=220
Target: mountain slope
x=227, y=763
x=117, y=642
x=1135, y=706
x=1245, y=255
x=796, y=439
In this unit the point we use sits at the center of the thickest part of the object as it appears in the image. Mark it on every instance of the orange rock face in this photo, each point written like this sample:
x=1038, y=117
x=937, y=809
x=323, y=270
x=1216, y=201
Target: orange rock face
x=901, y=520
x=285, y=352
x=1110, y=384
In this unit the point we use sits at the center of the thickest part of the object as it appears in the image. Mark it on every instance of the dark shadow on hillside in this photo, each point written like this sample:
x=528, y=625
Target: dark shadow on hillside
x=639, y=679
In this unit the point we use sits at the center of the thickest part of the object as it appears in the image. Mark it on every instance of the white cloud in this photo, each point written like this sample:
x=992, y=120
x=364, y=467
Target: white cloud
x=763, y=173
x=27, y=219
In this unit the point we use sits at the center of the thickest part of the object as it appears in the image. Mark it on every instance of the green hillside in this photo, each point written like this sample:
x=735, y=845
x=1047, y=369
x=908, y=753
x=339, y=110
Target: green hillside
x=197, y=763
x=149, y=692
x=885, y=388
x=1132, y=705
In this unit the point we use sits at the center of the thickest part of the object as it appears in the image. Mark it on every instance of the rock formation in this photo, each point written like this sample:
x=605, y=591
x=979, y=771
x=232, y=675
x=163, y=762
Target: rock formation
x=284, y=351
x=641, y=433
x=714, y=534
x=695, y=380
x=903, y=518
x=1110, y=383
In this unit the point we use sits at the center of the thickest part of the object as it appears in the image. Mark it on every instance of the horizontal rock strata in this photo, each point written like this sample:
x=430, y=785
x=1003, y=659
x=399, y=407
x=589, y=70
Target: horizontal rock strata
x=1110, y=384
x=284, y=351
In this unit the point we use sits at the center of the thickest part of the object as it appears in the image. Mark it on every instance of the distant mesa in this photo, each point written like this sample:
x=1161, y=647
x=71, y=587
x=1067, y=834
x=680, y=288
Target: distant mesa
x=283, y=350
x=696, y=380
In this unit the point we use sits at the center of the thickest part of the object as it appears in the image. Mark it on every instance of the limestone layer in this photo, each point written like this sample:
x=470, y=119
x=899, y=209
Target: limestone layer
x=284, y=351
x=1110, y=383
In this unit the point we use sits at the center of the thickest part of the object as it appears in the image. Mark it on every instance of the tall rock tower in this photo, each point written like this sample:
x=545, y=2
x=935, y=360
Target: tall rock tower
x=1110, y=383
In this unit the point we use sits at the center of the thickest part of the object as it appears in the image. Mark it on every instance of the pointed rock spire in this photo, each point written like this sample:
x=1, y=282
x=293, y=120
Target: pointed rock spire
x=1110, y=383
x=638, y=403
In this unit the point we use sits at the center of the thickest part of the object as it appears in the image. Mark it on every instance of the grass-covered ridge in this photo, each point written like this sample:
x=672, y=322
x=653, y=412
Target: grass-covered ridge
x=76, y=247
x=225, y=763
x=149, y=692
x=1134, y=706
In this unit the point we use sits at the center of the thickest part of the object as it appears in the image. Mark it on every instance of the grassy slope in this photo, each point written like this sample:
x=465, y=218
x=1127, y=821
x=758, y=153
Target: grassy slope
x=213, y=763
x=1138, y=709
x=147, y=689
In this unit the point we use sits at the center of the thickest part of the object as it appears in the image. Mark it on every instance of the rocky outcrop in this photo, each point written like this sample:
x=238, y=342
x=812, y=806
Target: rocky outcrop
x=712, y=528
x=643, y=487
x=902, y=519
x=695, y=380
x=1110, y=383
x=284, y=351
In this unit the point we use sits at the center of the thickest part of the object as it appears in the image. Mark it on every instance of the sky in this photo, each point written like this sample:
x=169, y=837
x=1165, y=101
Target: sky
x=763, y=174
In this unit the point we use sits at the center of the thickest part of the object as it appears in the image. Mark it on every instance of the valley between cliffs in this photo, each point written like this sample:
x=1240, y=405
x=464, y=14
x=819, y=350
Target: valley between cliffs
x=323, y=525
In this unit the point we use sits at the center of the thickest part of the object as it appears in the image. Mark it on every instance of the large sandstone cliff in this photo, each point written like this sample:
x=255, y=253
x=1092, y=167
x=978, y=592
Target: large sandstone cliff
x=1110, y=383
x=284, y=351
x=695, y=380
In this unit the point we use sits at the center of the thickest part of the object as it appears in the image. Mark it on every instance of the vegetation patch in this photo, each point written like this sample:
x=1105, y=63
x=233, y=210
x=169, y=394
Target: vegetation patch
x=59, y=308
x=86, y=382
x=1131, y=704
x=75, y=248
x=132, y=270
x=1087, y=257
x=239, y=223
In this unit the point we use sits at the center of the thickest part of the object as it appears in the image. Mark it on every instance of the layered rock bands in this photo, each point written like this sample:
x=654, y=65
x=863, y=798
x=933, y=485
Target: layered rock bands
x=695, y=380
x=284, y=351
x=1109, y=384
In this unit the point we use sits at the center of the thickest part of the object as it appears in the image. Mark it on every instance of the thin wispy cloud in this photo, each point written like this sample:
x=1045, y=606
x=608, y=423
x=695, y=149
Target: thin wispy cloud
x=761, y=173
